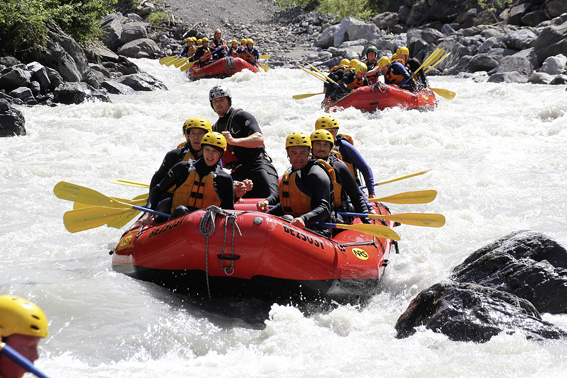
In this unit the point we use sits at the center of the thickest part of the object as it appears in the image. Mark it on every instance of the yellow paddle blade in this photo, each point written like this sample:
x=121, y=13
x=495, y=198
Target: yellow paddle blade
x=302, y=96
x=371, y=229
x=122, y=220
x=265, y=56
x=401, y=178
x=135, y=202
x=430, y=59
x=76, y=193
x=312, y=73
x=264, y=67
x=319, y=71
x=444, y=93
x=172, y=61
x=92, y=217
x=130, y=183
x=180, y=62
x=414, y=219
x=439, y=61
x=166, y=59
x=187, y=66
x=422, y=196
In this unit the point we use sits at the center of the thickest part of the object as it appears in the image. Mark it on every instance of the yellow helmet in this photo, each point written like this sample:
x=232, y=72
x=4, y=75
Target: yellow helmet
x=394, y=57
x=326, y=122
x=204, y=39
x=218, y=31
x=360, y=67
x=199, y=41
x=345, y=62
x=18, y=315
x=402, y=51
x=199, y=123
x=214, y=139
x=354, y=62
x=323, y=135
x=383, y=61
x=188, y=39
x=233, y=42
x=243, y=41
x=298, y=138
x=250, y=40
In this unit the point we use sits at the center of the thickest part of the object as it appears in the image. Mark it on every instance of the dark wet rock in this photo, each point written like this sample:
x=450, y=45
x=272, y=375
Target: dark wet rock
x=76, y=93
x=9, y=61
x=386, y=20
x=471, y=312
x=559, y=80
x=519, y=40
x=39, y=74
x=141, y=82
x=25, y=94
x=482, y=62
x=12, y=122
x=15, y=78
x=112, y=31
x=524, y=263
x=540, y=78
x=523, y=62
x=54, y=78
x=508, y=77
x=117, y=88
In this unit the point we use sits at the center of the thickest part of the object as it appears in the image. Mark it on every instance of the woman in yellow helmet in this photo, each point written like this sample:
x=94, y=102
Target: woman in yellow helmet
x=22, y=325
x=251, y=54
x=199, y=184
x=233, y=51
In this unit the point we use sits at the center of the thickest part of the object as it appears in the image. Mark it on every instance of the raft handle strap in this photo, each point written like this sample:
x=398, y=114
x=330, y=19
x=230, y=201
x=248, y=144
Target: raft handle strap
x=229, y=270
x=207, y=228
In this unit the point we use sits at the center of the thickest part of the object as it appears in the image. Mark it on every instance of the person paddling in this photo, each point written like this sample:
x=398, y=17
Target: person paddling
x=305, y=190
x=252, y=55
x=345, y=186
x=22, y=326
x=199, y=184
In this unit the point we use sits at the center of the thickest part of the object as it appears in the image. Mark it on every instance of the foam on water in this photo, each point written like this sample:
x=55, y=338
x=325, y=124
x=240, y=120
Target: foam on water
x=498, y=162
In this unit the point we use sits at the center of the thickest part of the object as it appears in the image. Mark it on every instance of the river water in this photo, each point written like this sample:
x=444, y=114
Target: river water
x=497, y=159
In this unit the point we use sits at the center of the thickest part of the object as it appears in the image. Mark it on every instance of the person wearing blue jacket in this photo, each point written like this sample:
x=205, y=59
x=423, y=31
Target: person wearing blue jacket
x=348, y=153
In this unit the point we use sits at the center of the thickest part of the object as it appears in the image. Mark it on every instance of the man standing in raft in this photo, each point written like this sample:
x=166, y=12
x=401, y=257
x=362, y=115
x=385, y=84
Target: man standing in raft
x=245, y=154
x=199, y=184
x=22, y=325
x=305, y=189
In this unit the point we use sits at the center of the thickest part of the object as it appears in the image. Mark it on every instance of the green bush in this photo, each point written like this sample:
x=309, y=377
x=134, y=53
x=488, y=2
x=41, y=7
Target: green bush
x=23, y=22
x=157, y=17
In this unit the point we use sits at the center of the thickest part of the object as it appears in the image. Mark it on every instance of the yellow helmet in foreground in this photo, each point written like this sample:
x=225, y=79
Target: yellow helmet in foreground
x=214, y=139
x=199, y=123
x=323, y=135
x=18, y=315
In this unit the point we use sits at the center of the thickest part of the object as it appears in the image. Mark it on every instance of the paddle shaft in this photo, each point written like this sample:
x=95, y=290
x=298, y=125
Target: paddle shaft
x=397, y=179
x=189, y=65
x=413, y=219
x=429, y=60
x=23, y=362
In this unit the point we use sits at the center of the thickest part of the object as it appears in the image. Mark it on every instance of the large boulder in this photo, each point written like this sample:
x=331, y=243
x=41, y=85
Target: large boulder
x=112, y=31
x=523, y=62
x=39, y=74
x=327, y=37
x=520, y=40
x=540, y=78
x=524, y=263
x=140, y=48
x=386, y=20
x=12, y=122
x=550, y=42
x=482, y=62
x=471, y=312
x=132, y=31
x=508, y=77
x=141, y=82
x=76, y=93
x=117, y=88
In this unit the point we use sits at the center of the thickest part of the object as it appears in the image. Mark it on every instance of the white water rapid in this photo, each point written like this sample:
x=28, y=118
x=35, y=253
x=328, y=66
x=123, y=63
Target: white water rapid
x=498, y=160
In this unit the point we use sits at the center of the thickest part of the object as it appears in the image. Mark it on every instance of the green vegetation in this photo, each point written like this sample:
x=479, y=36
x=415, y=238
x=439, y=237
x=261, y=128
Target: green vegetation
x=23, y=23
x=157, y=17
x=362, y=9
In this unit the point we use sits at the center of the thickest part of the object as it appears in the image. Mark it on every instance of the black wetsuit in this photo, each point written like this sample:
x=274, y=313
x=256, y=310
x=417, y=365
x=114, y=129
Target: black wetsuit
x=413, y=64
x=215, y=45
x=316, y=182
x=348, y=78
x=330, y=88
x=252, y=163
x=178, y=175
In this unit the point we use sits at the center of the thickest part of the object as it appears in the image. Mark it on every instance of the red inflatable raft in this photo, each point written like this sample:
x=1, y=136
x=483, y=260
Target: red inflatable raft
x=380, y=97
x=220, y=68
x=250, y=254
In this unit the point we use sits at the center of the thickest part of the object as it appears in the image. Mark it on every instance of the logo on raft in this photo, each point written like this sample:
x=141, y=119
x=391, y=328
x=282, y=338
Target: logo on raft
x=125, y=241
x=303, y=237
x=167, y=227
x=360, y=253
